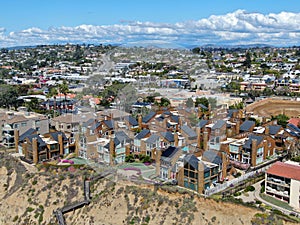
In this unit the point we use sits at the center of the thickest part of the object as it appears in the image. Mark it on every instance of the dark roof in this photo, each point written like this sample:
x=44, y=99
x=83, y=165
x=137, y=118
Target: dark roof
x=167, y=112
x=231, y=111
x=121, y=136
x=212, y=156
x=95, y=125
x=273, y=129
x=218, y=125
x=40, y=141
x=88, y=123
x=109, y=123
x=152, y=139
x=293, y=127
x=132, y=121
x=248, y=143
x=189, y=131
x=246, y=126
x=160, y=118
x=54, y=135
x=202, y=123
x=169, y=152
x=29, y=132
x=175, y=118
x=168, y=136
x=142, y=134
x=148, y=117
x=194, y=162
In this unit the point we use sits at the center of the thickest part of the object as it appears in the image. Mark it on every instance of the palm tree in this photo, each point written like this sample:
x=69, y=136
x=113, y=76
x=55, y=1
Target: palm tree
x=52, y=93
x=64, y=89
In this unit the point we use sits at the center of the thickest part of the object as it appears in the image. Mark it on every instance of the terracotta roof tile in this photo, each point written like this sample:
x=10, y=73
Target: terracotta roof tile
x=285, y=170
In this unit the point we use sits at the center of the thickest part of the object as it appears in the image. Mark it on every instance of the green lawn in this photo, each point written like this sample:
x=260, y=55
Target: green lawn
x=275, y=201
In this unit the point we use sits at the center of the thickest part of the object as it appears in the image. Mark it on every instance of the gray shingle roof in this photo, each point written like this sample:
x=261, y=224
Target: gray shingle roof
x=273, y=129
x=40, y=141
x=248, y=143
x=27, y=133
x=194, y=162
x=212, y=156
x=168, y=136
x=132, y=121
x=218, y=125
x=109, y=124
x=54, y=135
x=142, y=134
x=189, y=131
x=122, y=136
x=246, y=126
x=148, y=117
x=152, y=139
x=202, y=123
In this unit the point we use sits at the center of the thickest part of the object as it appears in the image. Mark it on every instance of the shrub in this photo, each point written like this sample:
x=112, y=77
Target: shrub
x=249, y=188
x=15, y=218
x=29, y=209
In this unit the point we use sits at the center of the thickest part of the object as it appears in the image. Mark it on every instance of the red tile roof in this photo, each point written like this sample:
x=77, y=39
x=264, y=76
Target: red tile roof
x=295, y=121
x=285, y=170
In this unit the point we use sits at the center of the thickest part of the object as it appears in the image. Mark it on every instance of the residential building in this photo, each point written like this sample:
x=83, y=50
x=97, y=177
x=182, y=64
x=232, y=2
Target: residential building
x=17, y=123
x=283, y=182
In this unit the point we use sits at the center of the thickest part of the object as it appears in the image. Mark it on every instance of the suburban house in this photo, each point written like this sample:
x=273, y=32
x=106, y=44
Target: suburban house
x=37, y=148
x=282, y=181
x=197, y=174
x=12, y=122
x=166, y=162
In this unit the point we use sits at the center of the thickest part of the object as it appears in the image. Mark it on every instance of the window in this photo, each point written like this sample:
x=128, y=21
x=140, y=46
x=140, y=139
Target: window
x=17, y=125
x=23, y=124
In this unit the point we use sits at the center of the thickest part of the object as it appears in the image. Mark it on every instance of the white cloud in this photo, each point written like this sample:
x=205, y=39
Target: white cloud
x=239, y=27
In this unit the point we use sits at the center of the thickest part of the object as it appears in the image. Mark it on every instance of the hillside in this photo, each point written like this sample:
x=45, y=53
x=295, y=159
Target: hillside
x=29, y=197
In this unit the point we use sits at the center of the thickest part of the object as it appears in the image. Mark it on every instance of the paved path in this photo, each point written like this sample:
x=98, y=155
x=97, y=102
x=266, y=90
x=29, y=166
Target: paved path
x=253, y=195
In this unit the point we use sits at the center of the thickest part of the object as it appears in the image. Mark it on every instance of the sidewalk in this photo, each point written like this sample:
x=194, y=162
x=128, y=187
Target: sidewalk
x=256, y=195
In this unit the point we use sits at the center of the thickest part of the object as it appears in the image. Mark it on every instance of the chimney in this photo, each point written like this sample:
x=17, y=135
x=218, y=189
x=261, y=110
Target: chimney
x=35, y=150
x=267, y=130
x=205, y=140
x=112, y=152
x=253, y=152
x=157, y=161
x=266, y=150
x=61, y=144
x=264, y=120
x=111, y=116
x=199, y=112
x=176, y=139
x=24, y=150
x=127, y=150
x=224, y=164
x=16, y=140
x=77, y=143
x=140, y=121
x=198, y=130
x=237, y=127
x=200, y=177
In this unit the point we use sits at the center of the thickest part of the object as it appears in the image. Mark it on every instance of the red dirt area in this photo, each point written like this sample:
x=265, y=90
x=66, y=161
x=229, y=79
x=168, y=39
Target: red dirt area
x=272, y=107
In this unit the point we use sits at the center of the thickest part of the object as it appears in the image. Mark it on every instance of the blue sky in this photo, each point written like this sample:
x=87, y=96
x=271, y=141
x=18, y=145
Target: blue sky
x=19, y=15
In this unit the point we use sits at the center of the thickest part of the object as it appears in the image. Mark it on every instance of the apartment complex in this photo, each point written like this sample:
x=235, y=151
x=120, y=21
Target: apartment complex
x=283, y=182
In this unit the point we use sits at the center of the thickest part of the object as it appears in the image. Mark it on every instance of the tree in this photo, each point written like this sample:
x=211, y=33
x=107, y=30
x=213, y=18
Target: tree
x=64, y=89
x=247, y=62
x=8, y=96
x=282, y=119
x=164, y=102
x=204, y=101
x=189, y=103
x=196, y=50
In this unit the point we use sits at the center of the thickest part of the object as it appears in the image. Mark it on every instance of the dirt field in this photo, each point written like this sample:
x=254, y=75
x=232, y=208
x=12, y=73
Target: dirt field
x=269, y=107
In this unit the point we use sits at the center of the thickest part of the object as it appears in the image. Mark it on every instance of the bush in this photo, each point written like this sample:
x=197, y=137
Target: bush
x=262, y=190
x=249, y=188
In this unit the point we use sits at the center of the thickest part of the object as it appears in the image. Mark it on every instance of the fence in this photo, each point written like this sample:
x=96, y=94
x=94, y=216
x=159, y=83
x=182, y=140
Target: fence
x=233, y=182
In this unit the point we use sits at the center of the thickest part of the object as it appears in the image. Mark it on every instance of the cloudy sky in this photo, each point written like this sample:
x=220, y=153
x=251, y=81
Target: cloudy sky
x=150, y=22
